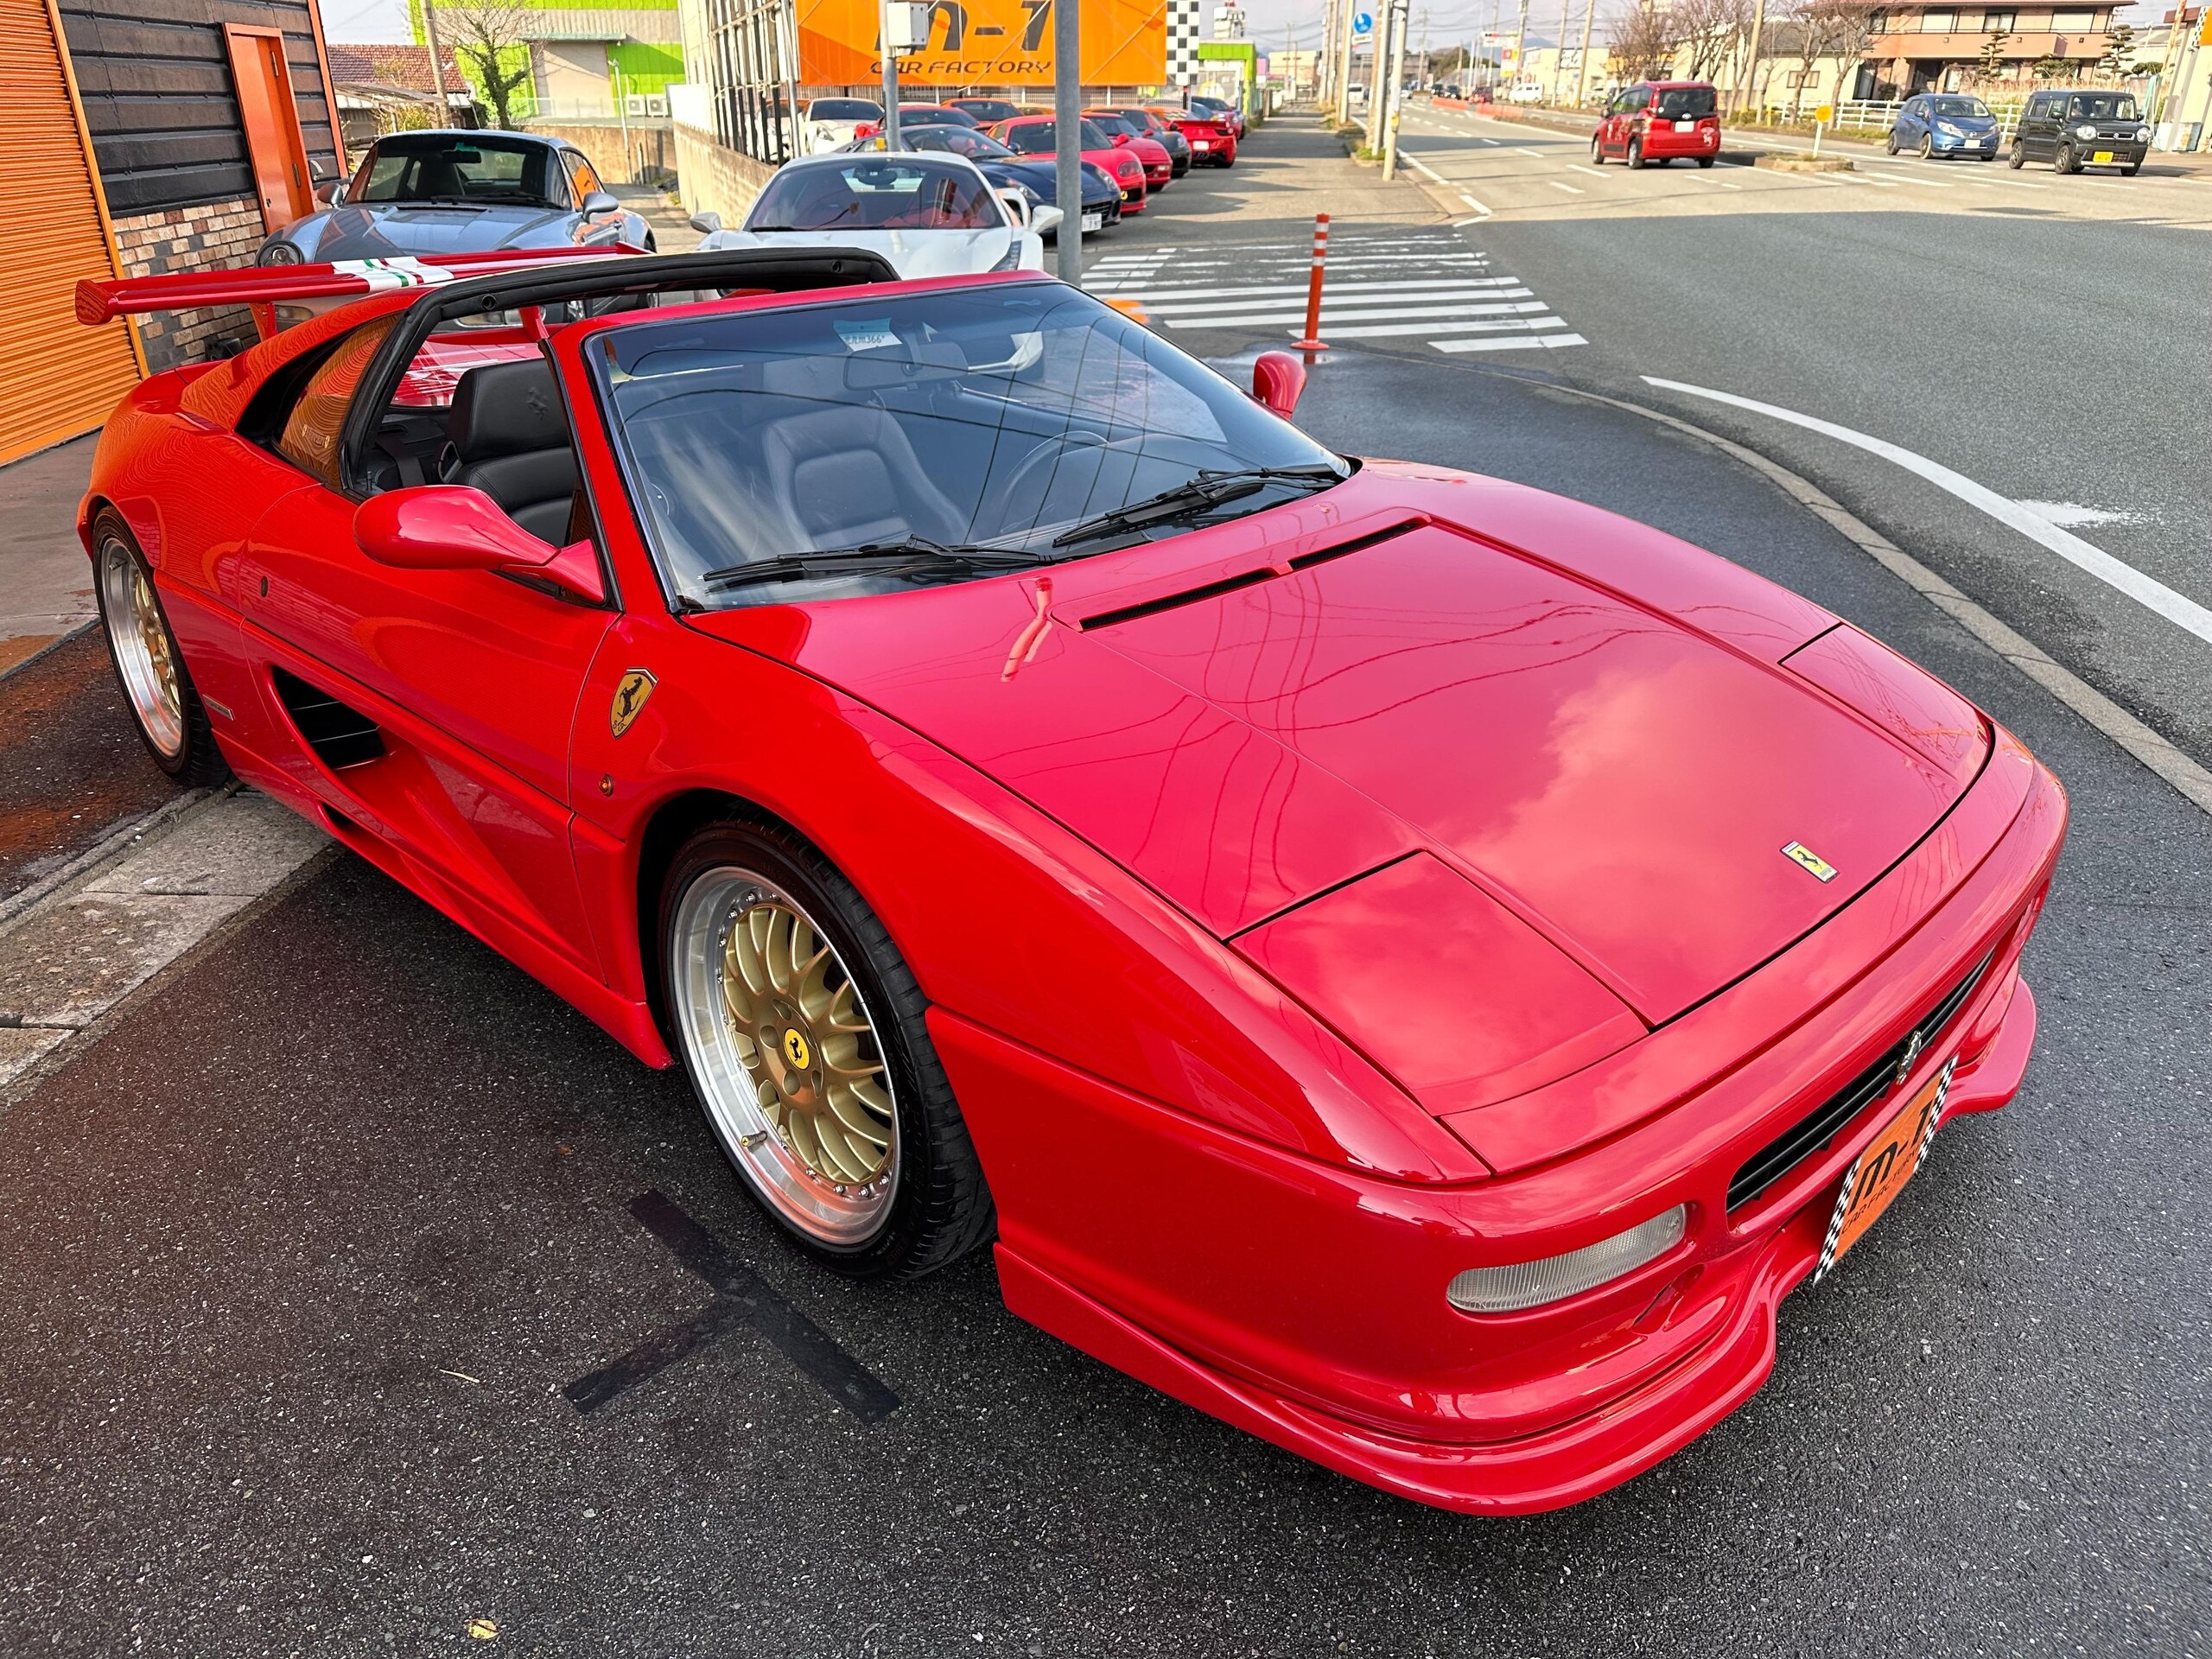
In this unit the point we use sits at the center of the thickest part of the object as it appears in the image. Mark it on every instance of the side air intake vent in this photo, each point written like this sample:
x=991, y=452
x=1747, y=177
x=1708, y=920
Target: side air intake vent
x=340, y=736
x=1245, y=578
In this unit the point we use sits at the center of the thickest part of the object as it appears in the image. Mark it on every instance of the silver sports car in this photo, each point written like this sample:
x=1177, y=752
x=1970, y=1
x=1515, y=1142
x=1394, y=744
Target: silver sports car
x=460, y=192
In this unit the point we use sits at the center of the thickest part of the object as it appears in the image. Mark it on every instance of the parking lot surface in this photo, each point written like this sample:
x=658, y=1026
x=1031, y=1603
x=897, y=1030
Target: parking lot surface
x=354, y=1290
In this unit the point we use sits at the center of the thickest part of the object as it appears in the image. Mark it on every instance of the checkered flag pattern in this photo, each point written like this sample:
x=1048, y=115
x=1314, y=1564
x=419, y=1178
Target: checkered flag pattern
x=1182, y=42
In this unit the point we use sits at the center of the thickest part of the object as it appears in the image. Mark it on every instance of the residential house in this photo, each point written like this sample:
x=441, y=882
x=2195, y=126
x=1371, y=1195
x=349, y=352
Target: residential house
x=1916, y=48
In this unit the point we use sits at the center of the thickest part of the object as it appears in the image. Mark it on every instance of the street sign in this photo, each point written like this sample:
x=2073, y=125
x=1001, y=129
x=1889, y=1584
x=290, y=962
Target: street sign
x=1363, y=24
x=1826, y=112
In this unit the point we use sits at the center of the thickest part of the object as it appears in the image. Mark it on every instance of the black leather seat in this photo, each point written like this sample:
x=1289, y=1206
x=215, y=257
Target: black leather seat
x=508, y=438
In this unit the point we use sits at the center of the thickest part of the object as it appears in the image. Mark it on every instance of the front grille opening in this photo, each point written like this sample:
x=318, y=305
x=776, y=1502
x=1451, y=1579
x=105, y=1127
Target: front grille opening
x=1816, y=1131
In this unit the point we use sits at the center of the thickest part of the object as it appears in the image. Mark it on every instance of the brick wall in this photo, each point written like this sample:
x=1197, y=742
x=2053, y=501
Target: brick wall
x=211, y=236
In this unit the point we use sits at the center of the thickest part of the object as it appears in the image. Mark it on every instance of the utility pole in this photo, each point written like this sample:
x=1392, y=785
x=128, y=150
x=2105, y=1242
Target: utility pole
x=1424, y=46
x=438, y=69
x=1750, y=81
x=1067, y=137
x=1394, y=48
x=1343, y=65
x=1582, y=63
x=1520, y=47
x=1559, y=49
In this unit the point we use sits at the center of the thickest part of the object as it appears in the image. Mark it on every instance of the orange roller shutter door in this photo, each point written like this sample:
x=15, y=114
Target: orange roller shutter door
x=57, y=377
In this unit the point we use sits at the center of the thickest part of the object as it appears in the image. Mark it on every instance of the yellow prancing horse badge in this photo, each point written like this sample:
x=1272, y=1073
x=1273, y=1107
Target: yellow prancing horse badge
x=1798, y=851
x=795, y=1048
x=629, y=697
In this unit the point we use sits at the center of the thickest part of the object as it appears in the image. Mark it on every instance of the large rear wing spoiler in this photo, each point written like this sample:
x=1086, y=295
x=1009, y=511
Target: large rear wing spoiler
x=265, y=287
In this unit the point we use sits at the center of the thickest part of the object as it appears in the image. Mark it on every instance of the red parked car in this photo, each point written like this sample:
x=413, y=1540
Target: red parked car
x=1125, y=134
x=1037, y=135
x=1412, y=965
x=1654, y=121
x=1213, y=142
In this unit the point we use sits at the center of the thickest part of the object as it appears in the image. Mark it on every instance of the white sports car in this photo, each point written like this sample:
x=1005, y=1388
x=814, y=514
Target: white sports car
x=832, y=123
x=930, y=214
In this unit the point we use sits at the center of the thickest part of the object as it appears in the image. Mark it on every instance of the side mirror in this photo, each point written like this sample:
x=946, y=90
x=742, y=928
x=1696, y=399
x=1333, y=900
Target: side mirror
x=331, y=192
x=454, y=527
x=1046, y=220
x=601, y=201
x=1278, y=378
x=1017, y=208
x=706, y=224
x=1120, y=140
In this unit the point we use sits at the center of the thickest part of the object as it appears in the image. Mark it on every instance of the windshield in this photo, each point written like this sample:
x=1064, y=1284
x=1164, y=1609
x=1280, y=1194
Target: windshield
x=844, y=109
x=876, y=192
x=2103, y=106
x=997, y=418
x=990, y=109
x=446, y=168
x=1040, y=137
x=1957, y=106
x=1686, y=103
x=935, y=115
x=1109, y=124
x=958, y=141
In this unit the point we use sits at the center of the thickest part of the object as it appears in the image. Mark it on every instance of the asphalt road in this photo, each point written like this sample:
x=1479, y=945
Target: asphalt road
x=2042, y=336
x=301, y=1267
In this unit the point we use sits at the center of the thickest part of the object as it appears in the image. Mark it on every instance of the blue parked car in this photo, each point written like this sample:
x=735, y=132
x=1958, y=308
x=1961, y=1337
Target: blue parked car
x=1945, y=124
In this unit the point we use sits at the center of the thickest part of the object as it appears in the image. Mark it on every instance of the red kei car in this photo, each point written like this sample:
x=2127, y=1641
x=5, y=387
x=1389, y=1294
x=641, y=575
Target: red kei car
x=1654, y=121
x=1033, y=134
x=1412, y=965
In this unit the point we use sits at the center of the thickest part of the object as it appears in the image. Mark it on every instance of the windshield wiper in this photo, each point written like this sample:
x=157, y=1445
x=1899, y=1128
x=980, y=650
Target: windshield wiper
x=1208, y=488
x=907, y=553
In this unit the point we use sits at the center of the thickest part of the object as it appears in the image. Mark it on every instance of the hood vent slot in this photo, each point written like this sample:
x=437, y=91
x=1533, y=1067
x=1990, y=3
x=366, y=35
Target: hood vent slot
x=341, y=736
x=1244, y=579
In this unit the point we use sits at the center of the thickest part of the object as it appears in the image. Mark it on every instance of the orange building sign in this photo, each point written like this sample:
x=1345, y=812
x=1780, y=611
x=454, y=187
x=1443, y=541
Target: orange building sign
x=984, y=43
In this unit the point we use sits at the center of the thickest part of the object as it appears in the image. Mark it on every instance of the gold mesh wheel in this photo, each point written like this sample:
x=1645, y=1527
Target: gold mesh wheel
x=783, y=1046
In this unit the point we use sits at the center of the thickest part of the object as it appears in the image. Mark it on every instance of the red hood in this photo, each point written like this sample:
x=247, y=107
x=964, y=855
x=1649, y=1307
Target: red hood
x=1545, y=721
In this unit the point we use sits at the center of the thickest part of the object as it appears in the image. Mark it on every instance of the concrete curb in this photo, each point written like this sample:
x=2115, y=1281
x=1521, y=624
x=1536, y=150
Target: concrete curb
x=76, y=946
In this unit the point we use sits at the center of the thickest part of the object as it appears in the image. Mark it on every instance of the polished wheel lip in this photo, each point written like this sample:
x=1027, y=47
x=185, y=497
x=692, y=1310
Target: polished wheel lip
x=144, y=656
x=730, y=1068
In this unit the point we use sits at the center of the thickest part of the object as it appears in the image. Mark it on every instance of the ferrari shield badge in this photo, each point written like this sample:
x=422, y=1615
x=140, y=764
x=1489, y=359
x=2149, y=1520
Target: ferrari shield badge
x=1796, y=851
x=629, y=699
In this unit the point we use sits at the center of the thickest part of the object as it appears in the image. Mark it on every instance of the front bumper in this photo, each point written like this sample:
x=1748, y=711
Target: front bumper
x=1303, y=1301
x=1972, y=144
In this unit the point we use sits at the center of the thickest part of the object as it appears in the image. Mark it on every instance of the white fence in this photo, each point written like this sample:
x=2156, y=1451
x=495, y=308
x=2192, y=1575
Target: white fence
x=1875, y=115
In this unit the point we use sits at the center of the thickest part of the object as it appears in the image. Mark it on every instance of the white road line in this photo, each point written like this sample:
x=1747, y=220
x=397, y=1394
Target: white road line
x=1433, y=315
x=1571, y=189
x=1525, y=151
x=1549, y=343
x=1592, y=171
x=1381, y=330
x=1473, y=203
x=1455, y=285
x=2177, y=608
x=1914, y=178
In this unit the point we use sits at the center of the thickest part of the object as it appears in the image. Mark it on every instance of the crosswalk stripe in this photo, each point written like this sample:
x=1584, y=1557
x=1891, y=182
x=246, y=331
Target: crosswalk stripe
x=1549, y=341
x=1330, y=319
x=1450, y=284
x=1490, y=325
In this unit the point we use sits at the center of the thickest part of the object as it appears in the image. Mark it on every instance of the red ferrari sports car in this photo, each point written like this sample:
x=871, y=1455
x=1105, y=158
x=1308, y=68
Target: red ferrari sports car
x=1409, y=964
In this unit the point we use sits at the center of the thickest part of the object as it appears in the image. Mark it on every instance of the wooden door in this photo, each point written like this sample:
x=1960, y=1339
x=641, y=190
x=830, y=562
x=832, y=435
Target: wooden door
x=271, y=122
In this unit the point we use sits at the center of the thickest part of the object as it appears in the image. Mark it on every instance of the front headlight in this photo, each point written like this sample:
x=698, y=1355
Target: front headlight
x=279, y=253
x=1949, y=131
x=2142, y=135
x=1554, y=1278
x=2085, y=130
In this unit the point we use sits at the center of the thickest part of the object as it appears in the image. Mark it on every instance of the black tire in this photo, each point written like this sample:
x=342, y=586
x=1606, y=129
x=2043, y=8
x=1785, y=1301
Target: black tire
x=2131, y=171
x=940, y=1208
x=2018, y=158
x=195, y=761
x=1635, y=153
x=2062, y=159
x=1927, y=148
x=649, y=245
x=1891, y=141
x=1596, y=150
x=1706, y=161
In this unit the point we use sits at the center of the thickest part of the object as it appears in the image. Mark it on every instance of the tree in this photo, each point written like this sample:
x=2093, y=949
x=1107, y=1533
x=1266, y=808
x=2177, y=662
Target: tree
x=1990, y=66
x=491, y=38
x=1711, y=32
x=2119, y=52
x=2050, y=67
x=1829, y=29
x=1641, y=40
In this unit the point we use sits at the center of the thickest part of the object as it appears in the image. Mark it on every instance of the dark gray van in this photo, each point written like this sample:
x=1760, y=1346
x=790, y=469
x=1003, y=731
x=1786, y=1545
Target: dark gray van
x=2075, y=130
